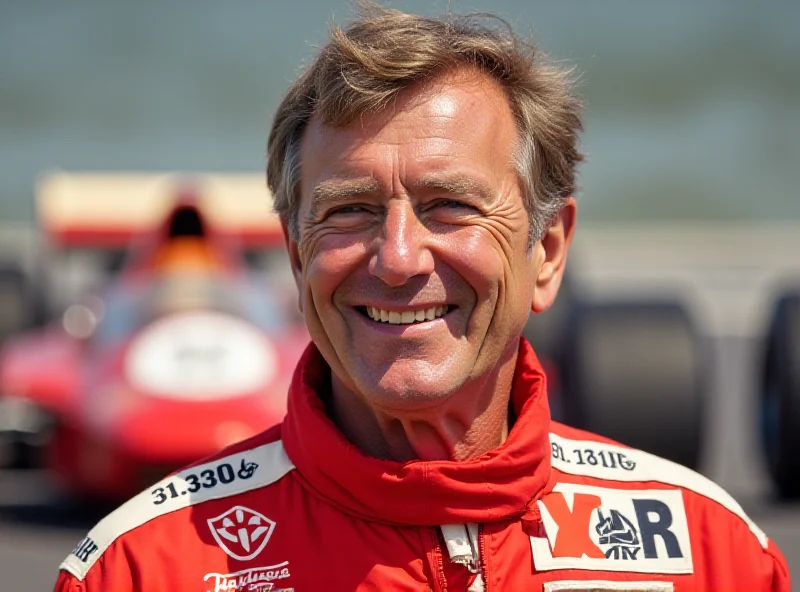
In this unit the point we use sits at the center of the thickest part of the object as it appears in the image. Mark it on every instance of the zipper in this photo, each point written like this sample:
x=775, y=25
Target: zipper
x=460, y=546
x=437, y=559
x=482, y=555
x=464, y=544
x=475, y=532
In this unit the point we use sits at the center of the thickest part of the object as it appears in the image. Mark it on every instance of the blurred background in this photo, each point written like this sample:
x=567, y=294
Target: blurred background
x=679, y=329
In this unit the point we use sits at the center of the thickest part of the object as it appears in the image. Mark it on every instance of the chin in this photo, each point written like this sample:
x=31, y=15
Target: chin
x=409, y=400
x=408, y=391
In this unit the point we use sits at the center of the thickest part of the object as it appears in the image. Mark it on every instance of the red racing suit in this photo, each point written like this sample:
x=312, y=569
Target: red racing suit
x=299, y=508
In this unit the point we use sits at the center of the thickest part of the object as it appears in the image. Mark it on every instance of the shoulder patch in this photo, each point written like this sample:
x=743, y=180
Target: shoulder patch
x=617, y=463
x=627, y=530
x=220, y=478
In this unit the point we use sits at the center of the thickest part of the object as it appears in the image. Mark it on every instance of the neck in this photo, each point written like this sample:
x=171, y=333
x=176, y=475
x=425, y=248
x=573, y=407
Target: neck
x=464, y=425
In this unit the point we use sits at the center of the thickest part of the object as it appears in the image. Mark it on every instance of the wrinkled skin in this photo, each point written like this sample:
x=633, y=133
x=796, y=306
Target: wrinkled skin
x=414, y=207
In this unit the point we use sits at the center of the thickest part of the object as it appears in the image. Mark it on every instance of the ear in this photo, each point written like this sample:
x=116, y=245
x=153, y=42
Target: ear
x=293, y=247
x=554, y=246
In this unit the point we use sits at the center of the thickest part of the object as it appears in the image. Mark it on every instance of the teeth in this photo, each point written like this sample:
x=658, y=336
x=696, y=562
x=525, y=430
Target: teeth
x=407, y=317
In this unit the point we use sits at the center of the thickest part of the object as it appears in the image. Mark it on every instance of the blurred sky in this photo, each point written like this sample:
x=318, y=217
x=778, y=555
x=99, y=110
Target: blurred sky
x=693, y=109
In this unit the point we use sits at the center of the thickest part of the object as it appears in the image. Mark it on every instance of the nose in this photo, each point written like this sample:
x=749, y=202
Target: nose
x=402, y=250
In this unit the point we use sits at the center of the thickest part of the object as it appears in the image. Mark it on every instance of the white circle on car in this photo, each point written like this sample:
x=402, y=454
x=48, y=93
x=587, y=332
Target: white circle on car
x=200, y=356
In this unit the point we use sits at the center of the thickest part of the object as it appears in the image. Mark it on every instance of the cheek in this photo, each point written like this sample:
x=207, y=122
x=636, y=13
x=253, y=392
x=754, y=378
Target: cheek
x=521, y=277
x=329, y=265
x=475, y=256
x=493, y=265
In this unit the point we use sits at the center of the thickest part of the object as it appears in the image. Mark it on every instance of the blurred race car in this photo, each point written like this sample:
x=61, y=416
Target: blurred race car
x=189, y=347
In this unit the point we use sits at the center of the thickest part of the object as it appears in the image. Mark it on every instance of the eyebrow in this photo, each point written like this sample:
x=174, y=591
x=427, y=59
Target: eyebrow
x=455, y=185
x=339, y=189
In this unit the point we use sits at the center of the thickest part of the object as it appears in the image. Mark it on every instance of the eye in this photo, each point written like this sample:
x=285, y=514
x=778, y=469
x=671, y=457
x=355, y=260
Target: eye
x=348, y=209
x=453, y=204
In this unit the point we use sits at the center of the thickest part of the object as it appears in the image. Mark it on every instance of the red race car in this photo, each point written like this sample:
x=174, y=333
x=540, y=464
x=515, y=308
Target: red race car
x=188, y=348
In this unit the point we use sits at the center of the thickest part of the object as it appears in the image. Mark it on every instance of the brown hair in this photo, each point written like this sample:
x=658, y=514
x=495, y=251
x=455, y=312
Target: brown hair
x=384, y=51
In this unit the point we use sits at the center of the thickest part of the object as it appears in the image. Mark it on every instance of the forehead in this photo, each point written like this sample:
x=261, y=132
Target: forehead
x=457, y=117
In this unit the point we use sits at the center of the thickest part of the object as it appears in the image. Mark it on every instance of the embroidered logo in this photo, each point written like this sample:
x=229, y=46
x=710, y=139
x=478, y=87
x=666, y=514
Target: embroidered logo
x=241, y=532
x=619, y=534
x=596, y=528
x=84, y=549
x=255, y=579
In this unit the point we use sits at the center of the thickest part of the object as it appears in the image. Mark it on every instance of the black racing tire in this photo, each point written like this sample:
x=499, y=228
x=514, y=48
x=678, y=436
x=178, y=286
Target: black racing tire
x=26, y=431
x=635, y=372
x=16, y=313
x=20, y=310
x=7, y=451
x=17, y=453
x=780, y=396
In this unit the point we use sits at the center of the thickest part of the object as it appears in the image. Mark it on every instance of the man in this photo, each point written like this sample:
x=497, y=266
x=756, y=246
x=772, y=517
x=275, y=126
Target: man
x=423, y=170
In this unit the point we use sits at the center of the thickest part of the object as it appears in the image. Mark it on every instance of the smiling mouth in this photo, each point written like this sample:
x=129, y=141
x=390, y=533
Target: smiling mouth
x=408, y=317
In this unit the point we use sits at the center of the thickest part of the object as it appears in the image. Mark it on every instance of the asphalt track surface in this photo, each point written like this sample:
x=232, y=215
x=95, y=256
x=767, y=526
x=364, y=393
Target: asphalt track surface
x=37, y=530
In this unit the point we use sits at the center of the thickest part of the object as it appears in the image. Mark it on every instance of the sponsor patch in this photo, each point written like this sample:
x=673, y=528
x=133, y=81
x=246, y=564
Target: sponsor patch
x=85, y=549
x=596, y=528
x=607, y=586
x=255, y=579
x=241, y=532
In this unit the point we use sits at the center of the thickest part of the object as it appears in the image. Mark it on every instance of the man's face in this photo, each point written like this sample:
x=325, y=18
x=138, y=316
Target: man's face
x=413, y=264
